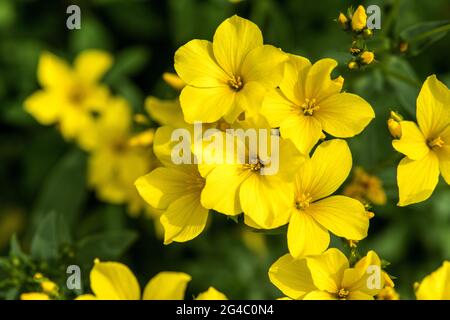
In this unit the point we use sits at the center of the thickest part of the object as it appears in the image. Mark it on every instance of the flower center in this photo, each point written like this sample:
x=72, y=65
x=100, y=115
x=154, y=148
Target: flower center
x=303, y=201
x=236, y=83
x=255, y=165
x=309, y=106
x=342, y=294
x=76, y=95
x=436, y=143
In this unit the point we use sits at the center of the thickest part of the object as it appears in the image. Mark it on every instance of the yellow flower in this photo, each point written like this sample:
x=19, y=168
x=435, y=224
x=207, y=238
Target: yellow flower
x=365, y=188
x=436, y=286
x=229, y=75
x=48, y=286
x=313, y=211
x=115, y=281
x=359, y=19
x=426, y=146
x=367, y=57
x=328, y=277
x=34, y=296
x=70, y=97
x=176, y=190
x=165, y=112
x=233, y=187
x=211, y=294
x=173, y=80
x=342, y=19
x=309, y=101
x=115, y=164
x=388, y=293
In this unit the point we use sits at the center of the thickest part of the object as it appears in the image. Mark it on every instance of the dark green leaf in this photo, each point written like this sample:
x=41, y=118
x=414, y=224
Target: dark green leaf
x=420, y=36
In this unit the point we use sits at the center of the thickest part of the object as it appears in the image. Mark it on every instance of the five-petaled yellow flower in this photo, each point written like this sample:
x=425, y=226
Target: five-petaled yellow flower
x=309, y=101
x=115, y=281
x=329, y=277
x=314, y=211
x=426, y=145
x=229, y=75
x=435, y=286
x=71, y=97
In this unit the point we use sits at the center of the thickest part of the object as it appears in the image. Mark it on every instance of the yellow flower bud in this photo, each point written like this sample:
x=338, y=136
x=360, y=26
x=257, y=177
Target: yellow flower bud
x=394, y=124
x=353, y=65
x=173, y=80
x=359, y=19
x=367, y=57
x=38, y=276
x=48, y=286
x=403, y=47
x=343, y=21
x=140, y=119
x=34, y=296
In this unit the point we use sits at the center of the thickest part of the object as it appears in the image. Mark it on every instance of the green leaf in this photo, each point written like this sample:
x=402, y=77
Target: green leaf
x=51, y=235
x=424, y=34
x=105, y=245
x=127, y=62
x=65, y=189
x=91, y=35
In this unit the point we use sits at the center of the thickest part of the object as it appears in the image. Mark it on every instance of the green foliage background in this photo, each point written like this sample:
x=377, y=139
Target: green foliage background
x=42, y=180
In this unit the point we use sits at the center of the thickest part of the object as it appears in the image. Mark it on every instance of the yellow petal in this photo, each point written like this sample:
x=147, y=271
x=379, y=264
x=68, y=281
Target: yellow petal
x=319, y=295
x=43, y=106
x=34, y=296
x=277, y=108
x=436, y=286
x=166, y=286
x=207, y=104
x=304, y=131
x=327, y=269
x=265, y=199
x=91, y=65
x=184, y=219
x=444, y=161
x=417, y=179
x=54, y=72
x=319, y=84
x=343, y=216
x=433, y=113
x=163, y=186
x=265, y=65
x=291, y=276
x=412, y=142
x=248, y=99
x=196, y=65
x=358, y=295
x=86, y=297
x=166, y=112
x=233, y=40
x=294, y=78
x=211, y=294
x=344, y=115
x=221, y=191
x=114, y=281
x=305, y=236
x=326, y=170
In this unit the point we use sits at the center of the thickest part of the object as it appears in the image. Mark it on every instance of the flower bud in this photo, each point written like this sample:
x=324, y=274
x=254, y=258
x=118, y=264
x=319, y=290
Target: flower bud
x=353, y=65
x=173, y=80
x=367, y=57
x=342, y=20
x=394, y=126
x=359, y=19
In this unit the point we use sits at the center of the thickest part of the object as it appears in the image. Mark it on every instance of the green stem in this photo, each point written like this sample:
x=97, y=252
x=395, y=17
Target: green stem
x=425, y=35
x=401, y=77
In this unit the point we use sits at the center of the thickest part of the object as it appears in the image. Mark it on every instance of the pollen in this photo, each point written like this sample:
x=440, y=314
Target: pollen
x=436, y=143
x=309, y=107
x=303, y=201
x=236, y=83
x=255, y=165
x=343, y=294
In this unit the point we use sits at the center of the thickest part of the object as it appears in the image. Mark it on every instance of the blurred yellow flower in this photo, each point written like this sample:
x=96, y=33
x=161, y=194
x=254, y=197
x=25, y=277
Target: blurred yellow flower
x=366, y=188
x=34, y=296
x=359, y=19
x=211, y=294
x=115, y=281
x=388, y=293
x=71, y=97
x=435, y=286
x=114, y=164
x=229, y=75
x=426, y=146
x=314, y=212
x=328, y=277
x=309, y=101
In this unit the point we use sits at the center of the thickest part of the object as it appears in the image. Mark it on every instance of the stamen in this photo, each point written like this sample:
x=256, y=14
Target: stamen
x=342, y=294
x=309, y=106
x=303, y=201
x=236, y=83
x=436, y=143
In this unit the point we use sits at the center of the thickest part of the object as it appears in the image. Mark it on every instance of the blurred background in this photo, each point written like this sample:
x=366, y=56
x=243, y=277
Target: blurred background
x=40, y=173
